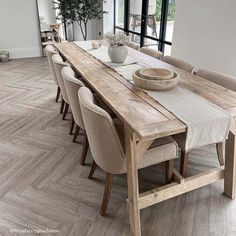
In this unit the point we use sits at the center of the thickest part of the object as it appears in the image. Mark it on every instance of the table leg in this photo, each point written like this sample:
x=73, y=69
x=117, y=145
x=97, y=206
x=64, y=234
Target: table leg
x=230, y=166
x=132, y=180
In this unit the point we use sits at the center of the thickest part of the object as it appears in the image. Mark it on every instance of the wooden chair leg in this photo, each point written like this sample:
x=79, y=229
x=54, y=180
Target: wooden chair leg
x=219, y=149
x=85, y=150
x=62, y=105
x=58, y=93
x=65, y=111
x=72, y=125
x=93, y=168
x=184, y=163
x=107, y=193
x=169, y=170
x=76, y=133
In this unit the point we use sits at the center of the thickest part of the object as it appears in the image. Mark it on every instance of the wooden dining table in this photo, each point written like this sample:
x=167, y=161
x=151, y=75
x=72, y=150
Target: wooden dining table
x=145, y=120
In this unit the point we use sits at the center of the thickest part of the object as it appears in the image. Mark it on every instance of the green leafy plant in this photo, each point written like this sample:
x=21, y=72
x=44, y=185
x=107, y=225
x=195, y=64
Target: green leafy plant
x=171, y=10
x=158, y=9
x=66, y=10
x=80, y=11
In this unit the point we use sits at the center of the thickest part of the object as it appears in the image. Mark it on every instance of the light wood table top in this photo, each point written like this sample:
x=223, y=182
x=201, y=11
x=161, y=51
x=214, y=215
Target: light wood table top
x=145, y=120
x=146, y=117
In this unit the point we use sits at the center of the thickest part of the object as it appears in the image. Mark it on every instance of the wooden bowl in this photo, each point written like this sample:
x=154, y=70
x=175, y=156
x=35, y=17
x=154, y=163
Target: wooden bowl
x=156, y=85
x=156, y=73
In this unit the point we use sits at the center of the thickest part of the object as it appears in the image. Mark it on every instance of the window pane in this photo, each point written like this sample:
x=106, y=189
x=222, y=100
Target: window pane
x=135, y=15
x=120, y=13
x=134, y=38
x=119, y=31
x=151, y=43
x=154, y=18
x=170, y=21
x=167, y=51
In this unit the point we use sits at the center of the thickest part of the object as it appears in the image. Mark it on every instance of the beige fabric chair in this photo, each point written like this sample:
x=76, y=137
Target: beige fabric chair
x=151, y=52
x=107, y=145
x=58, y=64
x=134, y=45
x=223, y=80
x=50, y=51
x=178, y=63
x=72, y=85
x=218, y=78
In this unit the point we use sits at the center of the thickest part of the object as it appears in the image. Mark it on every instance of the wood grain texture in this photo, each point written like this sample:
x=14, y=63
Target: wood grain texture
x=174, y=189
x=43, y=185
x=126, y=100
x=133, y=109
x=132, y=182
x=110, y=85
x=230, y=165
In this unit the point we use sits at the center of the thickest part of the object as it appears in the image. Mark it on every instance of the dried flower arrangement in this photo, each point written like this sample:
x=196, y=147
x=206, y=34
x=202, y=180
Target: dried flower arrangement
x=117, y=40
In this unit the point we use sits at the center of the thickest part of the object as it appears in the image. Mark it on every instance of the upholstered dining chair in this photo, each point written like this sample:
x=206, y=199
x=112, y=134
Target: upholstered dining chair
x=178, y=63
x=58, y=64
x=108, y=149
x=151, y=52
x=72, y=85
x=50, y=51
x=134, y=45
x=223, y=80
x=220, y=79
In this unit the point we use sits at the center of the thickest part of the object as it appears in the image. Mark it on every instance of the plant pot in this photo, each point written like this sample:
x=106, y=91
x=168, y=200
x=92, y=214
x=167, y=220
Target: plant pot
x=117, y=54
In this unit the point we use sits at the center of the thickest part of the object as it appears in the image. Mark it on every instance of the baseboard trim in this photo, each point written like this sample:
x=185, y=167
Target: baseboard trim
x=24, y=52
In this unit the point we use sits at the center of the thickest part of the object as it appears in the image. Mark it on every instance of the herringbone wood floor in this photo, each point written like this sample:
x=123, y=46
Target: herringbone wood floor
x=43, y=186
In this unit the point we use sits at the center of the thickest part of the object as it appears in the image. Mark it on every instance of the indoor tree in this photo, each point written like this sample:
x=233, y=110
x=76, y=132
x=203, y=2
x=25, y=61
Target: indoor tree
x=80, y=11
x=88, y=10
x=65, y=12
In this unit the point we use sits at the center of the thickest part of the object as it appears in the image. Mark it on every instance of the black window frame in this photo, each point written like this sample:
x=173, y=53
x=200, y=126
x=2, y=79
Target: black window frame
x=163, y=23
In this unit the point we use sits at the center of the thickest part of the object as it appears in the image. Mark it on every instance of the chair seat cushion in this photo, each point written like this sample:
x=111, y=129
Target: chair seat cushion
x=161, y=150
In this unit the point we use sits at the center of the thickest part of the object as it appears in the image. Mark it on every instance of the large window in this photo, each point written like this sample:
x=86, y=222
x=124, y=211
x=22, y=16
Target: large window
x=149, y=22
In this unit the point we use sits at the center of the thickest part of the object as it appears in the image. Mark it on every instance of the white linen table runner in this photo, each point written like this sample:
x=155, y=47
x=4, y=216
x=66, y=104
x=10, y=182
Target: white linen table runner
x=206, y=123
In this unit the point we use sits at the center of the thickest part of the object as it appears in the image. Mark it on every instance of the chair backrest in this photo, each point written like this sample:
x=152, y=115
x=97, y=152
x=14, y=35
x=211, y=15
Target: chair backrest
x=134, y=45
x=58, y=65
x=103, y=139
x=50, y=51
x=152, y=52
x=218, y=78
x=72, y=85
x=178, y=63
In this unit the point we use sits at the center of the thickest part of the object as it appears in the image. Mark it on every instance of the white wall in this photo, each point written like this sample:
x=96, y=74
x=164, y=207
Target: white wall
x=205, y=34
x=94, y=29
x=19, y=28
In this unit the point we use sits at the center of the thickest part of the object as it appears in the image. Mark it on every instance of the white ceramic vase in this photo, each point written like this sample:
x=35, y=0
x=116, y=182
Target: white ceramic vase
x=117, y=54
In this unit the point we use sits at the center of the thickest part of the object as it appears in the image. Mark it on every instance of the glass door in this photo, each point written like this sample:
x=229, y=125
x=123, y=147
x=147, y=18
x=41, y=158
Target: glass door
x=153, y=24
x=148, y=22
x=120, y=13
x=135, y=20
x=169, y=26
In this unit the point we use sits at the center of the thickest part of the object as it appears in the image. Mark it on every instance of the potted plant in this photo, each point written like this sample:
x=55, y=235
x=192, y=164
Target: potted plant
x=117, y=49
